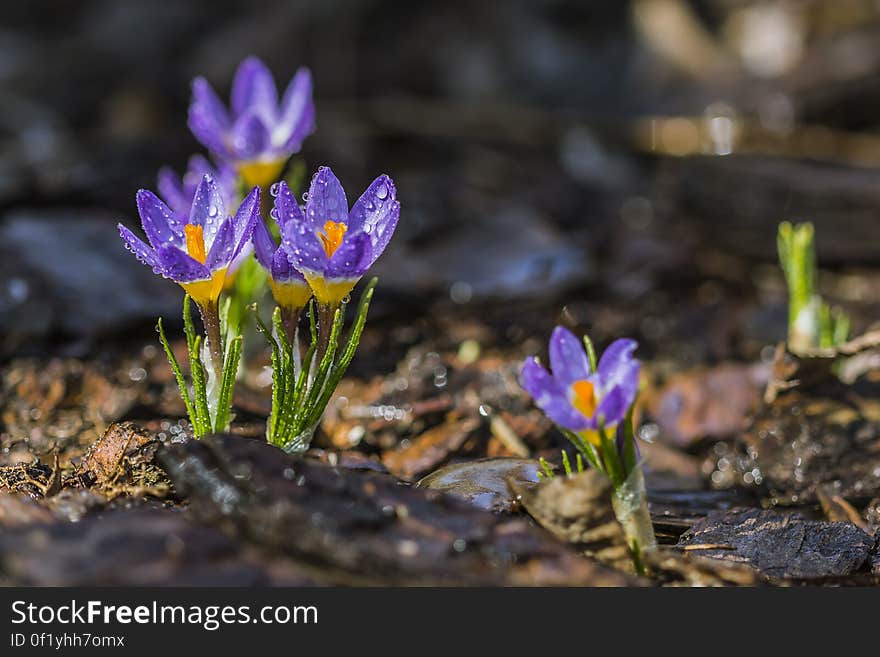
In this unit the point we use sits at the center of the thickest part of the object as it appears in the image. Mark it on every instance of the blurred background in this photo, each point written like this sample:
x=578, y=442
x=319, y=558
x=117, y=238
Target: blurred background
x=620, y=166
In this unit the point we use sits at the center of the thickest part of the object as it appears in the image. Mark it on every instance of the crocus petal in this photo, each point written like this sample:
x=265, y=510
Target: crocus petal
x=286, y=208
x=141, y=251
x=253, y=88
x=207, y=118
x=326, y=201
x=207, y=209
x=159, y=222
x=223, y=248
x=281, y=269
x=249, y=136
x=264, y=246
x=613, y=407
x=376, y=213
x=296, y=120
x=352, y=259
x=303, y=248
x=172, y=191
x=568, y=359
x=550, y=397
x=616, y=364
x=180, y=267
x=245, y=220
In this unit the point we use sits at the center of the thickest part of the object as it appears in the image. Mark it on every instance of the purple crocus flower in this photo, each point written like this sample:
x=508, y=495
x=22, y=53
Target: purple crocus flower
x=289, y=287
x=334, y=247
x=256, y=134
x=194, y=252
x=576, y=398
x=178, y=191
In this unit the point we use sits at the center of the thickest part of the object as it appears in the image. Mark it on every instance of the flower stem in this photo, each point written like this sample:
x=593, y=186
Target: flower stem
x=290, y=319
x=325, y=326
x=211, y=320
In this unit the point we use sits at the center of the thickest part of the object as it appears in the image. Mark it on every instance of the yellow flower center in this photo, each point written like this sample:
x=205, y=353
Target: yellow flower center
x=260, y=173
x=332, y=236
x=330, y=293
x=292, y=294
x=206, y=291
x=584, y=398
x=195, y=242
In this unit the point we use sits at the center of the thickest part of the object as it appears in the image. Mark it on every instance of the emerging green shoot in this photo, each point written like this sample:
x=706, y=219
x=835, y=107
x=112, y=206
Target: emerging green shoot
x=811, y=322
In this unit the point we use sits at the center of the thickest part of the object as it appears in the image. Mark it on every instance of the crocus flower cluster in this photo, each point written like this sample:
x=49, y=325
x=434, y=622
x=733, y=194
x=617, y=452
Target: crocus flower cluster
x=324, y=249
x=256, y=134
x=575, y=397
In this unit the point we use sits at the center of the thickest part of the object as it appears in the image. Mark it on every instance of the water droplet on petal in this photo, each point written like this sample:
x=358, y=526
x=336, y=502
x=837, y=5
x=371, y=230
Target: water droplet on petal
x=382, y=191
x=212, y=211
x=274, y=189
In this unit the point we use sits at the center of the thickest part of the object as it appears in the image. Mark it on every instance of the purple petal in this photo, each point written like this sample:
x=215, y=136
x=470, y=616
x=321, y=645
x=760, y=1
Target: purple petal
x=207, y=209
x=286, y=208
x=253, y=88
x=613, y=407
x=568, y=359
x=264, y=246
x=223, y=248
x=208, y=119
x=160, y=224
x=180, y=267
x=297, y=117
x=172, y=191
x=141, y=251
x=550, y=397
x=245, y=220
x=282, y=270
x=352, y=259
x=616, y=364
x=376, y=213
x=326, y=200
x=303, y=247
x=250, y=138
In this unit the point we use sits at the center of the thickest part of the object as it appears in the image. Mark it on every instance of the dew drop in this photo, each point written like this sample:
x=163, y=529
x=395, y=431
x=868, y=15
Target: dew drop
x=275, y=188
x=212, y=211
x=382, y=191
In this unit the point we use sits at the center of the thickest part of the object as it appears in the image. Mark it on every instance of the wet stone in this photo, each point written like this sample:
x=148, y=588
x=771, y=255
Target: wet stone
x=131, y=547
x=92, y=285
x=781, y=545
x=485, y=483
x=362, y=527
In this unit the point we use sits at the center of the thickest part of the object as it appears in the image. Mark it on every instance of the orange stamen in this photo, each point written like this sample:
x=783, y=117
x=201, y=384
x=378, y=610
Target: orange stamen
x=584, y=397
x=332, y=236
x=195, y=242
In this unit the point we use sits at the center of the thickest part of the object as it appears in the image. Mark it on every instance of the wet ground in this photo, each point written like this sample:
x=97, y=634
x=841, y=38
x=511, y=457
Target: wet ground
x=528, y=201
